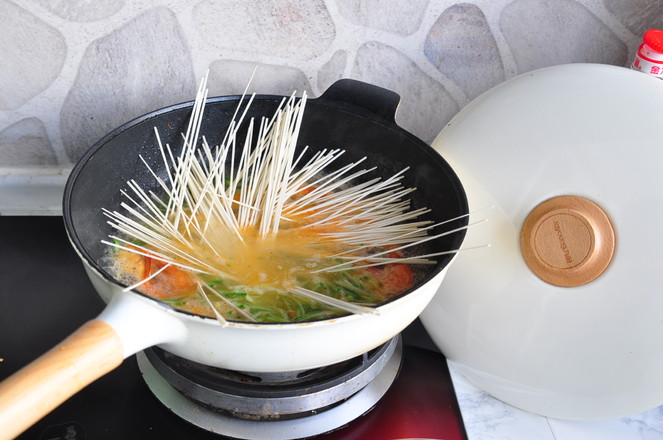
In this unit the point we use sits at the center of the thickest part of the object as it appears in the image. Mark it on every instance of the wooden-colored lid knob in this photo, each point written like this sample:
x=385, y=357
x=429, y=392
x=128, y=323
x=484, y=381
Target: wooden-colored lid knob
x=567, y=241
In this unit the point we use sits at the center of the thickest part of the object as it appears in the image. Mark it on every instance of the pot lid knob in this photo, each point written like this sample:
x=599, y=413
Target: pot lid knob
x=567, y=241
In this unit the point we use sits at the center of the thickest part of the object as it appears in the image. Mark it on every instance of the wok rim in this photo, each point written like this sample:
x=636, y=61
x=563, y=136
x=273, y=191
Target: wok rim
x=82, y=252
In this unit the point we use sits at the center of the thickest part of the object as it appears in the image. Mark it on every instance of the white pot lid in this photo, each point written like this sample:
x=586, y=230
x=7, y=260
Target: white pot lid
x=593, y=350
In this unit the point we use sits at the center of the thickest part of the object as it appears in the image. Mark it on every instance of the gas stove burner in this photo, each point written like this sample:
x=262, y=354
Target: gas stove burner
x=279, y=406
x=269, y=396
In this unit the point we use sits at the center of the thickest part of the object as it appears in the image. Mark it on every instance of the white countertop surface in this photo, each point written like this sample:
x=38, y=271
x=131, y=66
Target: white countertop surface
x=32, y=191
x=487, y=418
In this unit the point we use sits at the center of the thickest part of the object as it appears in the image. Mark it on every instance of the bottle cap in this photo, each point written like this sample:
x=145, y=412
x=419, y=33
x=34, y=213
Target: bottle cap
x=654, y=39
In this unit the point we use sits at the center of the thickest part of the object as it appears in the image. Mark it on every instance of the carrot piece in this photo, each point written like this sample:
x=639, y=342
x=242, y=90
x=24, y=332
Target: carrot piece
x=171, y=282
x=394, y=278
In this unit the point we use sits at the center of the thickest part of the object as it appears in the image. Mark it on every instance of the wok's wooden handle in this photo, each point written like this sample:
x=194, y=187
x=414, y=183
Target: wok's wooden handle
x=32, y=392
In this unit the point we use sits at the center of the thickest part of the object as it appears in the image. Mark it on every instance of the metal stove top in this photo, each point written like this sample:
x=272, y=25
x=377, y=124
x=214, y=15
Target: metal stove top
x=45, y=295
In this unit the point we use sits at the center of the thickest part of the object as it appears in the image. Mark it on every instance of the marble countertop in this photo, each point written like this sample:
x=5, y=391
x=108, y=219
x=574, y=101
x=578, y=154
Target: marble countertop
x=487, y=418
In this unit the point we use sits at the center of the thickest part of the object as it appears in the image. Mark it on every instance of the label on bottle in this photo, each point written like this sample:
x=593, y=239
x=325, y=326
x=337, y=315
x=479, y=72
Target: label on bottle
x=648, y=61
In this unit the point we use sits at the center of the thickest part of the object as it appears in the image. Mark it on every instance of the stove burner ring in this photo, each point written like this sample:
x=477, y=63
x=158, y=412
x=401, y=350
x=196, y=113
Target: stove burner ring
x=271, y=396
x=219, y=423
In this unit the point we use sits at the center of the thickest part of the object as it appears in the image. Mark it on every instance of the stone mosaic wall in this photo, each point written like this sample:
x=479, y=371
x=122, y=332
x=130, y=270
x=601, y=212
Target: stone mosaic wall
x=71, y=70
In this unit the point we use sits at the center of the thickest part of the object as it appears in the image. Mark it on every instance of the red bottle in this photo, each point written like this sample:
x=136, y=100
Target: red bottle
x=649, y=58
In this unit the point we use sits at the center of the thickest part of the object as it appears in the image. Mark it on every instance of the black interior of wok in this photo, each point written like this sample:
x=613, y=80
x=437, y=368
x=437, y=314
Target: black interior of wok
x=331, y=121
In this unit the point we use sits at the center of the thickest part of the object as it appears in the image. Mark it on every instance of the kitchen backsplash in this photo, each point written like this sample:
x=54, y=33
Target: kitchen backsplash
x=72, y=70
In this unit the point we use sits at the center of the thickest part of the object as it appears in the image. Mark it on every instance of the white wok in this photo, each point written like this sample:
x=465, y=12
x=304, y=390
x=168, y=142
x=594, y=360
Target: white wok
x=352, y=114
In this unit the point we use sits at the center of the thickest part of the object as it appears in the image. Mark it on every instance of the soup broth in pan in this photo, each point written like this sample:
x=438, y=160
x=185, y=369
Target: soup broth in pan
x=259, y=274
